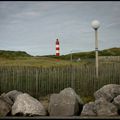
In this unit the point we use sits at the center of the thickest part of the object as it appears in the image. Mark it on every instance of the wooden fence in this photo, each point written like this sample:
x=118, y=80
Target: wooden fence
x=109, y=58
x=39, y=81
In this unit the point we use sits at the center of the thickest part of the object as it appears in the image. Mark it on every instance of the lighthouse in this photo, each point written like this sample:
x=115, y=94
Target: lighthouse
x=57, y=48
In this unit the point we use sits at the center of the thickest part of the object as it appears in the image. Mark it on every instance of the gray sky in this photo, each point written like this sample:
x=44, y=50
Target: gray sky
x=34, y=26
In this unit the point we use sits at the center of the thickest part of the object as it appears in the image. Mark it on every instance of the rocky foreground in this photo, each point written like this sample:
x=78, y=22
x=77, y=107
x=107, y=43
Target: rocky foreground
x=65, y=103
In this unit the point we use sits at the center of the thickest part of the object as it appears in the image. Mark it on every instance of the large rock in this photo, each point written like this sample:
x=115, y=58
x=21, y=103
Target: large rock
x=100, y=107
x=6, y=99
x=27, y=106
x=66, y=103
x=6, y=102
x=116, y=102
x=105, y=108
x=70, y=92
x=5, y=108
x=13, y=94
x=89, y=109
x=109, y=92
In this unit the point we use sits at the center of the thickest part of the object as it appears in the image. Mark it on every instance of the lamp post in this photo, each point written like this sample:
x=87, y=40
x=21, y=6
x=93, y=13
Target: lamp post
x=95, y=25
x=71, y=56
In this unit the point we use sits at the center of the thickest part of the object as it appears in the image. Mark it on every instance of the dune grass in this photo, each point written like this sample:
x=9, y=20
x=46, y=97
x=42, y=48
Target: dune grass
x=37, y=62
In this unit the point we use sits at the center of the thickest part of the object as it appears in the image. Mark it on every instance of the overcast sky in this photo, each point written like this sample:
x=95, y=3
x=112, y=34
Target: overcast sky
x=34, y=26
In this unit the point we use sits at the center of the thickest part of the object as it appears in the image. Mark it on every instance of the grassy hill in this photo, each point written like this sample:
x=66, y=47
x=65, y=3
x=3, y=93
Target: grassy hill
x=83, y=55
x=13, y=54
x=110, y=52
x=91, y=54
x=21, y=58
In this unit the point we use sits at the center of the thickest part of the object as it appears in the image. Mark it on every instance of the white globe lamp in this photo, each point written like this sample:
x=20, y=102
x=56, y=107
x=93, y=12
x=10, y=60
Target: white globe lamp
x=95, y=24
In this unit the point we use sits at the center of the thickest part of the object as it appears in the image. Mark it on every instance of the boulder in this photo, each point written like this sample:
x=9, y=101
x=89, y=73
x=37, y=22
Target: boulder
x=6, y=99
x=5, y=108
x=28, y=106
x=105, y=108
x=66, y=103
x=100, y=107
x=109, y=92
x=89, y=109
x=116, y=102
x=71, y=92
x=13, y=94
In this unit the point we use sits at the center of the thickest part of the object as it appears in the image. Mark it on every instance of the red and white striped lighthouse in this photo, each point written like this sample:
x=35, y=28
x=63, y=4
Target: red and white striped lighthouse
x=57, y=48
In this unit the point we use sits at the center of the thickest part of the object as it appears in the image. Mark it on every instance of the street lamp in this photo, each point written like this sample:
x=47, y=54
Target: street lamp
x=95, y=25
x=71, y=56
